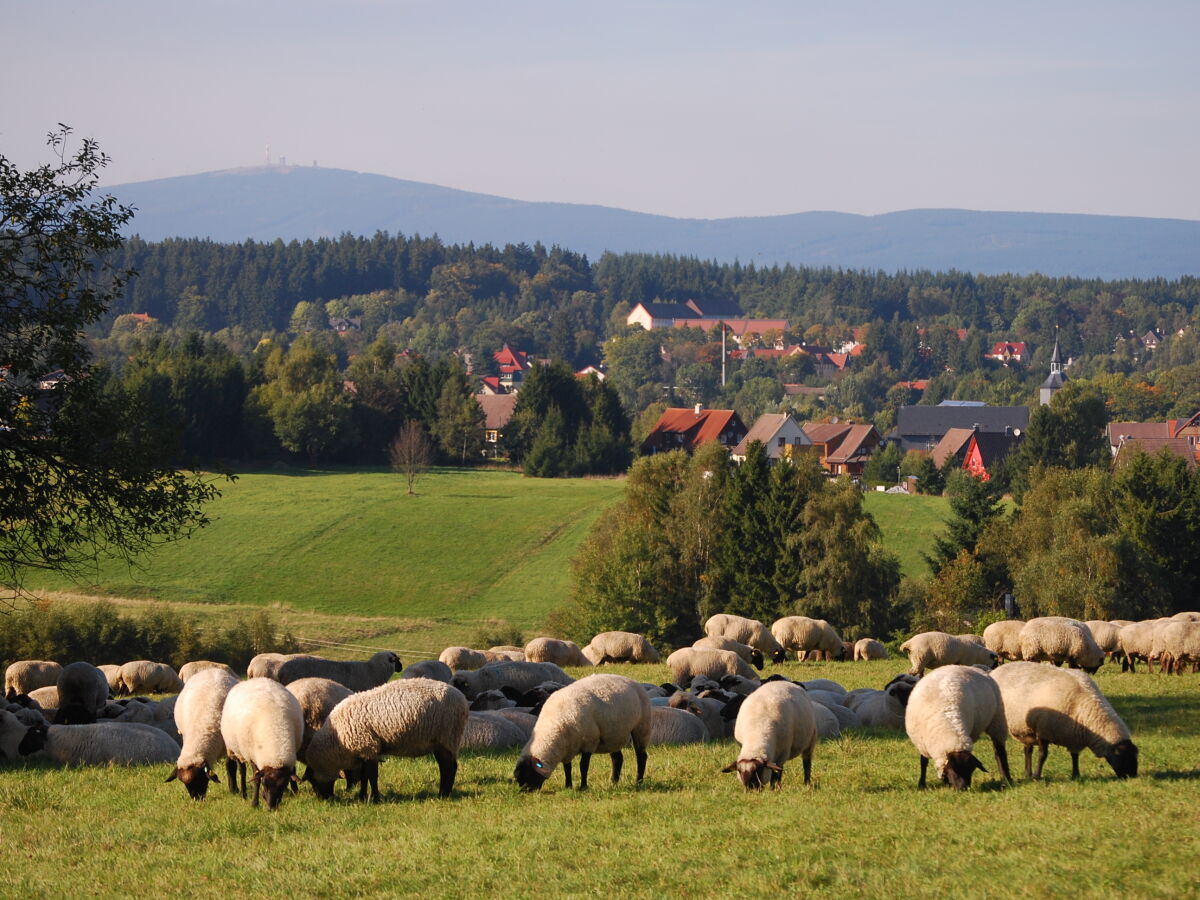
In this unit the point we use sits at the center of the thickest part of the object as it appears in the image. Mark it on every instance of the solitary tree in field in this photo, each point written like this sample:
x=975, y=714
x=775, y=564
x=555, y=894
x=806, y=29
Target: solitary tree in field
x=84, y=469
x=411, y=452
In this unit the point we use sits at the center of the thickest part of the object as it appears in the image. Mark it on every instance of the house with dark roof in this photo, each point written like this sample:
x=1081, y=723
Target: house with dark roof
x=716, y=309
x=1120, y=432
x=1152, y=446
x=986, y=450
x=778, y=432
x=687, y=429
x=497, y=410
x=844, y=449
x=660, y=315
x=922, y=427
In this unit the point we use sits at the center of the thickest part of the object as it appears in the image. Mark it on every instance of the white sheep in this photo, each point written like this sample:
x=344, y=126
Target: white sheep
x=82, y=693
x=188, y=669
x=520, y=676
x=1106, y=635
x=802, y=634
x=676, y=726
x=266, y=665
x=1057, y=640
x=408, y=717
x=112, y=672
x=597, y=714
x=358, y=675
x=27, y=675
x=750, y=654
x=884, y=708
x=45, y=698
x=262, y=726
x=947, y=710
x=1181, y=645
x=504, y=653
x=774, y=724
x=1137, y=642
x=429, y=668
x=620, y=646
x=931, y=649
x=562, y=653
x=491, y=731
x=317, y=698
x=143, y=676
x=687, y=662
x=707, y=709
x=460, y=658
x=1044, y=705
x=198, y=718
x=745, y=631
x=1004, y=638
x=869, y=648
x=100, y=743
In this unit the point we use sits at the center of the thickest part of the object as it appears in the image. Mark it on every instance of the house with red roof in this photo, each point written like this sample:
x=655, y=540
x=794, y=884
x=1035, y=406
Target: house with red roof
x=687, y=429
x=1007, y=351
x=844, y=449
x=986, y=450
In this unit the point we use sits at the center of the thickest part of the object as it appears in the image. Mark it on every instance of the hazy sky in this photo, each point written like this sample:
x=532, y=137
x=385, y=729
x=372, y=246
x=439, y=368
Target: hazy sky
x=702, y=109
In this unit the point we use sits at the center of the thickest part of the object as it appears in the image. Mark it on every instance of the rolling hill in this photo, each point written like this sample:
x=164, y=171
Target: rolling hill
x=294, y=202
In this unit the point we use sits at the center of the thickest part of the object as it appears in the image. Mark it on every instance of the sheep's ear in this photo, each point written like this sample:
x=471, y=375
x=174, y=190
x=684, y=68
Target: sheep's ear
x=174, y=774
x=977, y=763
x=212, y=776
x=732, y=767
x=773, y=767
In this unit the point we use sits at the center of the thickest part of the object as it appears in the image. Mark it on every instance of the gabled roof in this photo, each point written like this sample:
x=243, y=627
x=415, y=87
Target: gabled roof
x=667, y=310
x=858, y=441
x=716, y=309
x=825, y=433
x=1180, y=447
x=953, y=442
x=511, y=360
x=764, y=429
x=1192, y=421
x=1118, y=431
x=492, y=385
x=993, y=446
x=696, y=428
x=497, y=408
x=922, y=420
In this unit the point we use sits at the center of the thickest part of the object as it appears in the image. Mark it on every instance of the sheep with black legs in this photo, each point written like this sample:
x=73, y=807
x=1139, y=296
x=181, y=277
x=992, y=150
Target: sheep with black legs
x=948, y=709
x=688, y=662
x=931, y=649
x=27, y=675
x=198, y=718
x=802, y=634
x=619, y=646
x=774, y=724
x=262, y=726
x=597, y=714
x=1057, y=640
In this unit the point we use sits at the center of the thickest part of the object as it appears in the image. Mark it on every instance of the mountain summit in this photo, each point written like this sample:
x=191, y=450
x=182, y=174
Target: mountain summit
x=298, y=202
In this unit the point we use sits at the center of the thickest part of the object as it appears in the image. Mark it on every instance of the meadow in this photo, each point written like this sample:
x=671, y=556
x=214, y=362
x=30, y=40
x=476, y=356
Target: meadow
x=862, y=829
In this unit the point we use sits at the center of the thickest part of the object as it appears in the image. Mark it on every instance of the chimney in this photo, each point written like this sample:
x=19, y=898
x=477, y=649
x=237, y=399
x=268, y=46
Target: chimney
x=699, y=407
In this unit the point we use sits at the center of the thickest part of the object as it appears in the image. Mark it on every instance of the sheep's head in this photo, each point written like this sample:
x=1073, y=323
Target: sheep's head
x=900, y=690
x=75, y=713
x=323, y=784
x=34, y=739
x=531, y=773
x=959, y=767
x=275, y=782
x=1124, y=759
x=754, y=774
x=395, y=661
x=195, y=779
x=756, y=658
x=778, y=656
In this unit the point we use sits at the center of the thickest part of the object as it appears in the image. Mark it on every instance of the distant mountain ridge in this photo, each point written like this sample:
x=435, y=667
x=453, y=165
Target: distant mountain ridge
x=297, y=202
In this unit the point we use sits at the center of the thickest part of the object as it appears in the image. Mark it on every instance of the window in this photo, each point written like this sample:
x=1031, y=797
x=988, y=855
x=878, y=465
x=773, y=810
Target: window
x=780, y=442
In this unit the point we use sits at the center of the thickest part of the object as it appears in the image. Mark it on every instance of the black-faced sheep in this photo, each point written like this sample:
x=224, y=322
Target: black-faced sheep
x=803, y=635
x=198, y=718
x=774, y=724
x=262, y=726
x=358, y=675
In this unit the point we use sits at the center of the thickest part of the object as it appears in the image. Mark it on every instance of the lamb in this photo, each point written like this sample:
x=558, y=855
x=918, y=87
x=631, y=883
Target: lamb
x=408, y=717
x=491, y=731
x=676, y=726
x=562, y=653
x=262, y=726
x=317, y=698
x=750, y=654
x=620, y=646
x=198, y=717
x=688, y=662
x=82, y=693
x=931, y=649
x=1044, y=705
x=1004, y=638
x=774, y=724
x=145, y=677
x=188, y=669
x=885, y=708
x=429, y=668
x=459, y=658
x=100, y=743
x=1181, y=645
x=520, y=676
x=28, y=675
x=802, y=634
x=1057, y=640
x=869, y=648
x=947, y=710
x=358, y=675
x=597, y=714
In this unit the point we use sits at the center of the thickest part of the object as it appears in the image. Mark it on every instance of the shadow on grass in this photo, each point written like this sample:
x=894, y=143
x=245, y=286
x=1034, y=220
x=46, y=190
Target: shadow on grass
x=1175, y=775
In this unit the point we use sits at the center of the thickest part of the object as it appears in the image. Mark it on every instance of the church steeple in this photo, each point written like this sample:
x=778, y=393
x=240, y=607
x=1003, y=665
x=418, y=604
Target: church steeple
x=1057, y=379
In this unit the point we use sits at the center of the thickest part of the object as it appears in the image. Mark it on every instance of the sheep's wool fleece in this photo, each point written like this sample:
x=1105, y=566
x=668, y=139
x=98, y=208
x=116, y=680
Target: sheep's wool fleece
x=949, y=708
x=262, y=724
x=407, y=717
x=1062, y=706
x=596, y=714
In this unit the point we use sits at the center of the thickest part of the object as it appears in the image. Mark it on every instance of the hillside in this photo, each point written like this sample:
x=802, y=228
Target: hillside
x=292, y=202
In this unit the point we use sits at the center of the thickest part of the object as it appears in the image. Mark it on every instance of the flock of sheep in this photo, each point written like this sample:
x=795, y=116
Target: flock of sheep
x=341, y=718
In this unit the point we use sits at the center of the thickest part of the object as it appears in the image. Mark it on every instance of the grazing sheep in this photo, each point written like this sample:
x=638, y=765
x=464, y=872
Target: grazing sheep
x=688, y=662
x=561, y=653
x=774, y=724
x=113, y=674
x=504, y=653
x=45, y=698
x=100, y=743
x=745, y=631
x=1058, y=640
x=750, y=654
x=931, y=649
x=597, y=714
x=520, y=676
x=885, y=708
x=676, y=726
x=869, y=648
x=82, y=693
x=620, y=646
x=802, y=635
x=317, y=698
x=188, y=669
x=266, y=665
x=1181, y=645
x=1137, y=642
x=491, y=731
x=1106, y=635
x=358, y=675
x=947, y=710
x=408, y=717
x=28, y=675
x=429, y=668
x=1004, y=638
x=459, y=658
x=198, y=718
x=1045, y=705
x=262, y=726
x=142, y=676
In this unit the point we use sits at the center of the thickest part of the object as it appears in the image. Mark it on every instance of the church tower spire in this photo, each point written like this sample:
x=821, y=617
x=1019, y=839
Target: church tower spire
x=1057, y=379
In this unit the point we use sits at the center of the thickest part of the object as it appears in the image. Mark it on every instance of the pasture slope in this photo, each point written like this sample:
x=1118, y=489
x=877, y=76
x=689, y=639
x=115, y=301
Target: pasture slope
x=863, y=830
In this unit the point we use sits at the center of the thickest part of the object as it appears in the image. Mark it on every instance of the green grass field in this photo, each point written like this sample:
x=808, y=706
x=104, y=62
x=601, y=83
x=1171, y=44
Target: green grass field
x=863, y=830
x=909, y=524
